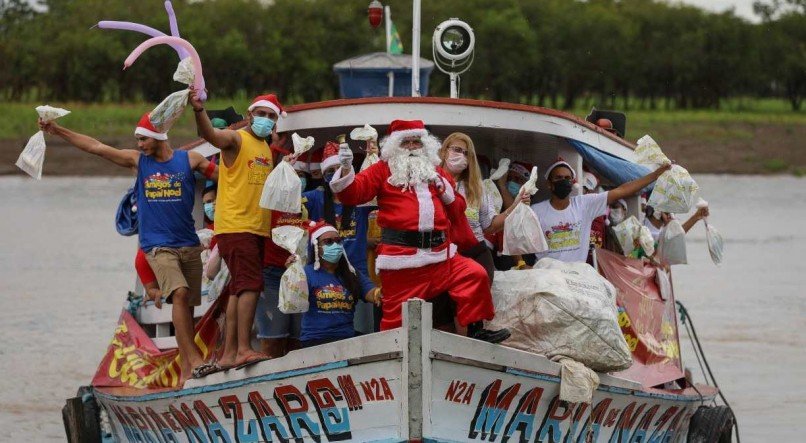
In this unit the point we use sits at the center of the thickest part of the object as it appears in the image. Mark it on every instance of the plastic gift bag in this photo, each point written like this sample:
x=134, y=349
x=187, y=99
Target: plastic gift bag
x=674, y=191
x=32, y=156
x=646, y=241
x=364, y=133
x=301, y=145
x=672, y=244
x=716, y=244
x=282, y=190
x=626, y=232
x=522, y=231
x=171, y=108
x=489, y=188
x=648, y=153
x=293, y=297
x=664, y=283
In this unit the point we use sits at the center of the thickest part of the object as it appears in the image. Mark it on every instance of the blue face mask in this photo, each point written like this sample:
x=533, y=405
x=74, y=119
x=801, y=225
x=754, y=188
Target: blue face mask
x=304, y=182
x=209, y=210
x=329, y=176
x=262, y=126
x=513, y=188
x=332, y=252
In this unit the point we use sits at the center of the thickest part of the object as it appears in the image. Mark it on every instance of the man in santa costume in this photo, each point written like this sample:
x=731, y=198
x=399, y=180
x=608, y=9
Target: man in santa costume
x=416, y=206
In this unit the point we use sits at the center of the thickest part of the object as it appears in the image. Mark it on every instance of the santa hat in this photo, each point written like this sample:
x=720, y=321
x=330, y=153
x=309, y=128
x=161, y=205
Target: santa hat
x=269, y=101
x=330, y=155
x=589, y=181
x=521, y=169
x=315, y=230
x=400, y=129
x=145, y=128
x=561, y=162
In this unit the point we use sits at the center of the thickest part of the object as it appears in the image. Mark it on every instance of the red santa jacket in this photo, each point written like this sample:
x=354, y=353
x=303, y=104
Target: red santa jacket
x=418, y=208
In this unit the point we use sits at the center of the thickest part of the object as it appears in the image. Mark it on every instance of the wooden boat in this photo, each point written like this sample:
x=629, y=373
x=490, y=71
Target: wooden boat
x=416, y=383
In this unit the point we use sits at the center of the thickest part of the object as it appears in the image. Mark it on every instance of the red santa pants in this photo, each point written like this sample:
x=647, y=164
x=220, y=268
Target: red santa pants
x=464, y=280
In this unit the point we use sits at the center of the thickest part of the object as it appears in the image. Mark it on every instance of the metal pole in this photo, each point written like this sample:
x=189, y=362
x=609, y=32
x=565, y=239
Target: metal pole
x=415, y=49
x=454, y=90
x=387, y=13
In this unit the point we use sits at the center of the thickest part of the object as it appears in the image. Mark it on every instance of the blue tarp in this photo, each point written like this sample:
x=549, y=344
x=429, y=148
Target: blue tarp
x=616, y=170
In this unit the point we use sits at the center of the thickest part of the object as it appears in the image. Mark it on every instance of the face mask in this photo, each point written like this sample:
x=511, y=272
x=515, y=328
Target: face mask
x=329, y=176
x=304, y=182
x=616, y=215
x=262, y=126
x=209, y=210
x=562, y=188
x=513, y=188
x=332, y=252
x=456, y=162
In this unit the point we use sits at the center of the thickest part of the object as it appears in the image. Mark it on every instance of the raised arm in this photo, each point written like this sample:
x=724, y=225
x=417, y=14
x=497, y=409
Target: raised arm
x=700, y=214
x=127, y=158
x=635, y=186
x=355, y=189
x=223, y=139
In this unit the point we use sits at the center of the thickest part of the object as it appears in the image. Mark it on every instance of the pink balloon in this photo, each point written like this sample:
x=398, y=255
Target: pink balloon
x=198, y=80
x=143, y=29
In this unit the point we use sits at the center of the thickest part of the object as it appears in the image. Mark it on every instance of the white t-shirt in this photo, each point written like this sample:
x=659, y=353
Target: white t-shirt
x=568, y=231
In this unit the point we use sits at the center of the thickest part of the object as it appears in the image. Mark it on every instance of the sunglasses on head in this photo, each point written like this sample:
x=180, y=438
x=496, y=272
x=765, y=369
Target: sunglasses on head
x=330, y=241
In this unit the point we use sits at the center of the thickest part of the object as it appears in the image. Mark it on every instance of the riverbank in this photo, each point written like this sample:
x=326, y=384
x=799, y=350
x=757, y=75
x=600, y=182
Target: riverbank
x=752, y=140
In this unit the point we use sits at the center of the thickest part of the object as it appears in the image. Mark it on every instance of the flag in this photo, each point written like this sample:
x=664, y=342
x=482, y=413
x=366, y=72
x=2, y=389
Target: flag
x=395, y=45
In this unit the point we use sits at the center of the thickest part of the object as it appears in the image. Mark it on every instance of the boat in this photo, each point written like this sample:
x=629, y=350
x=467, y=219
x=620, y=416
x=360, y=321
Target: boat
x=413, y=383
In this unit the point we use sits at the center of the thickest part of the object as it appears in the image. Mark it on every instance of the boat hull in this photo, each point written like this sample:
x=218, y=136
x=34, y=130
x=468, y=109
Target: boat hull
x=414, y=383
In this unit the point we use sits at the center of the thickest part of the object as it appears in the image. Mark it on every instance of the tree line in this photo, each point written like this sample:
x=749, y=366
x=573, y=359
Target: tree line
x=641, y=53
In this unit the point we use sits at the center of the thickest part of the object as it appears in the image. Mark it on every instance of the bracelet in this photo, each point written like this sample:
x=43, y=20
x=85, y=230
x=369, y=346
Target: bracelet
x=198, y=110
x=209, y=170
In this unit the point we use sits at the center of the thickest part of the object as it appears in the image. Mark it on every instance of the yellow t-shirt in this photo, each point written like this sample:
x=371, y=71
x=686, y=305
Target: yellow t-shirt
x=239, y=189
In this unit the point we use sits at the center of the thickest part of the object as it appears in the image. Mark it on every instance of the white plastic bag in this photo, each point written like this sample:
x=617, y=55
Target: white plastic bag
x=626, y=233
x=674, y=191
x=282, y=190
x=32, y=156
x=664, y=283
x=648, y=153
x=169, y=110
x=184, y=71
x=716, y=244
x=561, y=310
x=672, y=244
x=522, y=231
x=646, y=241
x=493, y=193
x=293, y=297
x=364, y=133
x=301, y=145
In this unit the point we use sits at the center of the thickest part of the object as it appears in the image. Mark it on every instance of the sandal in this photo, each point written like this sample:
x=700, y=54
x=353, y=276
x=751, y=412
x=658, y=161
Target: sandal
x=204, y=370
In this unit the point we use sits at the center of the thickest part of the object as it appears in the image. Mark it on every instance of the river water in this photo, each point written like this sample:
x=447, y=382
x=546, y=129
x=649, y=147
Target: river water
x=64, y=273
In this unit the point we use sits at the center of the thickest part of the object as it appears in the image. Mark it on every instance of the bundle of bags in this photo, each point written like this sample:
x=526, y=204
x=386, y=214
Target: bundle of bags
x=293, y=295
x=631, y=233
x=561, y=310
x=675, y=189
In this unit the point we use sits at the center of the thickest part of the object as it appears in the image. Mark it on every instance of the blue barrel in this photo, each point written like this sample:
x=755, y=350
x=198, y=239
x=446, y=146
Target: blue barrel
x=367, y=75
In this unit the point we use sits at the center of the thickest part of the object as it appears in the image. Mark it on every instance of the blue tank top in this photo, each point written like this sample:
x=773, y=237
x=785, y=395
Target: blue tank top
x=165, y=197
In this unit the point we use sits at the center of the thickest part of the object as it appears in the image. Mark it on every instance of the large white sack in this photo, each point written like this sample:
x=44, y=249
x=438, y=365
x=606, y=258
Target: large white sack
x=561, y=310
x=282, y=190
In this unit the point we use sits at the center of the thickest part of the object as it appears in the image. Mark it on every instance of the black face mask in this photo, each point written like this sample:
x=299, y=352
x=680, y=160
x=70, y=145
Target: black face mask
x=561, y=188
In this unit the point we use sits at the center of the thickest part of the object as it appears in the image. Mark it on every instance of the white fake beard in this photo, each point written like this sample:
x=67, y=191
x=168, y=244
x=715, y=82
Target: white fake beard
x=411, y=167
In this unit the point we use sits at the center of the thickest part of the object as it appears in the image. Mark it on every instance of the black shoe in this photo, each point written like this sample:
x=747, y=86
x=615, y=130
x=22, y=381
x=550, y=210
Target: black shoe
x=476, y=331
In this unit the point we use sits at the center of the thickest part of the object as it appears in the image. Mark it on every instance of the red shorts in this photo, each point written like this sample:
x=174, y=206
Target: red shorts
x=243, y=254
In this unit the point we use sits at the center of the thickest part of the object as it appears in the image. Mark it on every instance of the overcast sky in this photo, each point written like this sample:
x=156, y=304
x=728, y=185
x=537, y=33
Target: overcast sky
x=744, y=8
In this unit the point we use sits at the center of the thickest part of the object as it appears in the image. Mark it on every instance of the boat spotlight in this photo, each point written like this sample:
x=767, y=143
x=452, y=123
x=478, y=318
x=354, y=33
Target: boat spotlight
x=452, y=48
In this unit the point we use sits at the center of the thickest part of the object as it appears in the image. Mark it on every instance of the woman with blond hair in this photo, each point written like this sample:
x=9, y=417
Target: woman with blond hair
x=458, y=157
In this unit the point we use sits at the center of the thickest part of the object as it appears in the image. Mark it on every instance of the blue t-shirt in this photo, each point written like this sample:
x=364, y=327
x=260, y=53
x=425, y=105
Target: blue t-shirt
x=330, y=315
x=165, y=197
x=354, y=233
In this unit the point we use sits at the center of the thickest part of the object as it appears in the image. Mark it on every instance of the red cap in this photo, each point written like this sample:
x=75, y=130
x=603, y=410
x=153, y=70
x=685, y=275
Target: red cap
x=330, y=155
x=407, y=128
x=145, y=128
x=270, y=101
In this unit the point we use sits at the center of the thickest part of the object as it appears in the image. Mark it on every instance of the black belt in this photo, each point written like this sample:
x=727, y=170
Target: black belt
x=415, y=239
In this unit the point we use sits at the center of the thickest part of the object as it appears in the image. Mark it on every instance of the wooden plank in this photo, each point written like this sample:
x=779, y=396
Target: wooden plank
x=74, y=420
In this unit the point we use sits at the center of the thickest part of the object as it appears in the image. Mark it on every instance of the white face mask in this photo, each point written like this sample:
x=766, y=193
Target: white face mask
x=456, y=162
x=616, y=216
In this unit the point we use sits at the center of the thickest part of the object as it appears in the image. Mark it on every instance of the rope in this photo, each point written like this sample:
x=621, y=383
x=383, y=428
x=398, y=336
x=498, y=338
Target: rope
x=135, y=301
x=695, y=342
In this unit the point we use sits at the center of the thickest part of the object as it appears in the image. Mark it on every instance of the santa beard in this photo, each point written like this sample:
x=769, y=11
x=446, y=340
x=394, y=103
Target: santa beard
x=409, y=168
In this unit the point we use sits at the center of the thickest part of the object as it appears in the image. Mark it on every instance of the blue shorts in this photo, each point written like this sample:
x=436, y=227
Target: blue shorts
x=271, y=323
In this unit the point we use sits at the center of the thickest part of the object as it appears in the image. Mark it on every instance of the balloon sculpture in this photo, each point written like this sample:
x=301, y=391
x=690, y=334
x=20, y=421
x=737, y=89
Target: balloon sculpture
x=137, y=27
x=198, y=79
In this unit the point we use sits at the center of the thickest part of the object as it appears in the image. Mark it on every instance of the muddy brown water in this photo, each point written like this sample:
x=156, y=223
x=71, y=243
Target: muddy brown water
x=64, y=273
